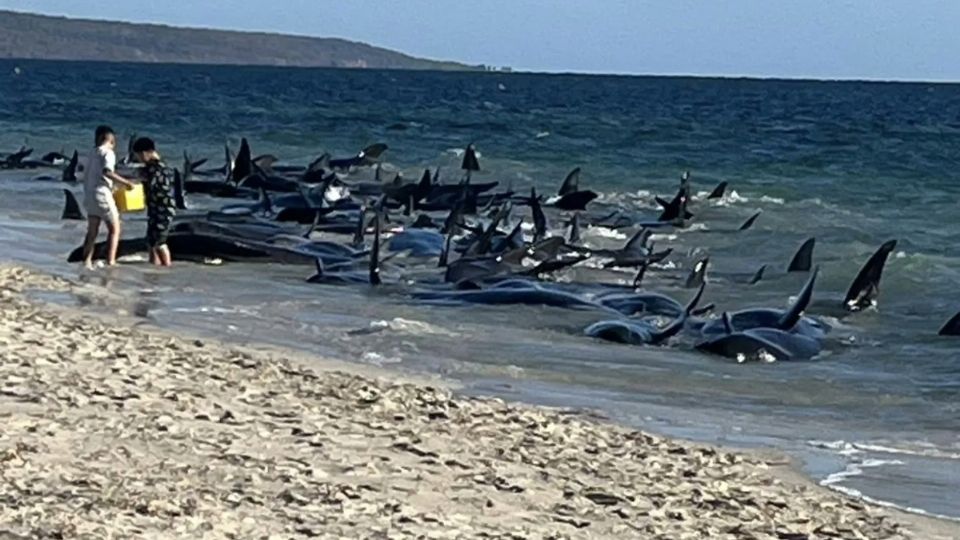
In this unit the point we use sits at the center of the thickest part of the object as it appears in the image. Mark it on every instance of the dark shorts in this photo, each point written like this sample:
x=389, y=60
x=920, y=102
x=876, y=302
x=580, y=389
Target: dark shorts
x=157, y=231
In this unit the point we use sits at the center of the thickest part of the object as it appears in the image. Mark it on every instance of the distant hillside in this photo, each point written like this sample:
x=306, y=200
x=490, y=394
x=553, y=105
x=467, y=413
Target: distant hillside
x=25, y=35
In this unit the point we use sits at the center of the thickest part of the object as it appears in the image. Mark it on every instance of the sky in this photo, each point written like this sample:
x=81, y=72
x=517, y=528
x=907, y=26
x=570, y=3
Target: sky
x=822, y=39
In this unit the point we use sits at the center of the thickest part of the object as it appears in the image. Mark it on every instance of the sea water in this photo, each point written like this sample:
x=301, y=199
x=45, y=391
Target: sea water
x=852, y=164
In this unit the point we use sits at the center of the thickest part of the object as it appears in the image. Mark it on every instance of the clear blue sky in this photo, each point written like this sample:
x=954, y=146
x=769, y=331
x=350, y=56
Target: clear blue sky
x=873, y=39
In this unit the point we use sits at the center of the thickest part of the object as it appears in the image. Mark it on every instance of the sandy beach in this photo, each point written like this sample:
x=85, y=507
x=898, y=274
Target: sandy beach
x=114, y=429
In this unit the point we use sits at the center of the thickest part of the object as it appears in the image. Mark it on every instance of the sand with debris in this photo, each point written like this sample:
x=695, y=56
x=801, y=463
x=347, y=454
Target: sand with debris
x=112, y=431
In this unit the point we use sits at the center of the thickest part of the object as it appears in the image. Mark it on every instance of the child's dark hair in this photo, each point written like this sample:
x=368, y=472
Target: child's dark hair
x=102, y=133
x=144, y=144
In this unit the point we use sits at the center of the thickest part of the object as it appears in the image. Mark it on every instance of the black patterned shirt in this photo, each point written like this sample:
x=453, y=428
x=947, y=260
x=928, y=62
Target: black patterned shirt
x=159, y=183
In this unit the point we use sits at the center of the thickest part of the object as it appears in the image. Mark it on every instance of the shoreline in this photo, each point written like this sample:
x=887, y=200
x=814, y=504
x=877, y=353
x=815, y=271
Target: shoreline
x=114, y=428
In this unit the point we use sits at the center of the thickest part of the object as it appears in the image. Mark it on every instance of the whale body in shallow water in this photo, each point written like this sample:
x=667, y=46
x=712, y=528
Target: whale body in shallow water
x=644, y=331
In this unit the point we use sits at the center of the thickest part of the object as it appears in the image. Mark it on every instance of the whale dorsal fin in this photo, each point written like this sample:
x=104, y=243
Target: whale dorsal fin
x=803, y=259
x=750, y=221
x=70, y=173
x=178, y=189
x=698, y=274
x=638, y=242
x=674, y=327
x=571, y=183
x=373, y=151
x=265, y=203
x=470, y=162
x=539, y=218
x=865, y=288
x=515, y=238
x=71, y=208
x=791, y=317
x=952, y=327
x=719, y=191
x=638, y=279
x=375, y=251
x=243, y=165
x=574, y=237
x=313, y=226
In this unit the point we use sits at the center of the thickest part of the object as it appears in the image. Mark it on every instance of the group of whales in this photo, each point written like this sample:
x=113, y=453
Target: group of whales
x=485, y=255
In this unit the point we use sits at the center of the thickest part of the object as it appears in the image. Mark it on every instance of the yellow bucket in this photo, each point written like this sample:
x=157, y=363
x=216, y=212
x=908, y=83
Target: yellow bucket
x=129, y=200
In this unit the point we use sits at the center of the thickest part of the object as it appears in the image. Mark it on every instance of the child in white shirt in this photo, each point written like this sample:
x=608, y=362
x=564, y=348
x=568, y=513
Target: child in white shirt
x=99, y=178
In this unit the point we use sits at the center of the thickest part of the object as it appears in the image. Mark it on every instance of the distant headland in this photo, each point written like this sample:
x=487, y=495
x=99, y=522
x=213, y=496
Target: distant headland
x=41, y=37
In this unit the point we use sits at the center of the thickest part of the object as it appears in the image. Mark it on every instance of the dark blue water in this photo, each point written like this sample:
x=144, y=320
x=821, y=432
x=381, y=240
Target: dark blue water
x=853, y=164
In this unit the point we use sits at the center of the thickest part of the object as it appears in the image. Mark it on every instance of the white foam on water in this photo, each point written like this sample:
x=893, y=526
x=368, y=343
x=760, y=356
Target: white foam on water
x=593, y=262
x=930, y=453
x=841, y=447
x=731, y=198
x=604, y=232
x=378, y=359
x=542, y=134
x=854, y=469
x=459, y=152
x=857, y=494
x=766, y=357
x=771, y=200
x=693, y=227
x=218, y=310
x=407, y=326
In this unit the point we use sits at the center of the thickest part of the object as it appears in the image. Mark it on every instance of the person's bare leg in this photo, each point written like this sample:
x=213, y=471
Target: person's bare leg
x=154, y=256
x=90, y=241
x=113, y=240
x=163, y=253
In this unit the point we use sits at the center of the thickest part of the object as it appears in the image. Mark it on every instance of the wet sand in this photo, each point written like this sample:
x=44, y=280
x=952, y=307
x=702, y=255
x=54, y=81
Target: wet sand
x=114, y=429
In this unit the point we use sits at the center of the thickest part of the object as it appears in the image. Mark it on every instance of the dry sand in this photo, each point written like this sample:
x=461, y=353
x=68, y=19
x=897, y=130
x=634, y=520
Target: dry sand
x=114, y=431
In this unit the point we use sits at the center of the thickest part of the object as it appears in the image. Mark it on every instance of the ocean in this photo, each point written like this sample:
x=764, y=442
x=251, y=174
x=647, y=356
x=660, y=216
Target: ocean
x=852, y=164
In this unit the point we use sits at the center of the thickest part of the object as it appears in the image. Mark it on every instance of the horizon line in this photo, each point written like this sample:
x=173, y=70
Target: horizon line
x=516, y=71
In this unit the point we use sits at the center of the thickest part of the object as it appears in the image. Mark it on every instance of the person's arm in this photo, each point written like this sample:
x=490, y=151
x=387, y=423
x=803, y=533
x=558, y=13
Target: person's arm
x=110, y=170
x=128, y=184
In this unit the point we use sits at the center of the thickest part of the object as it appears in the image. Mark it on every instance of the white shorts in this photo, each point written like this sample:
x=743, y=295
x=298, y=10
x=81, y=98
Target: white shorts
x=100, y=204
